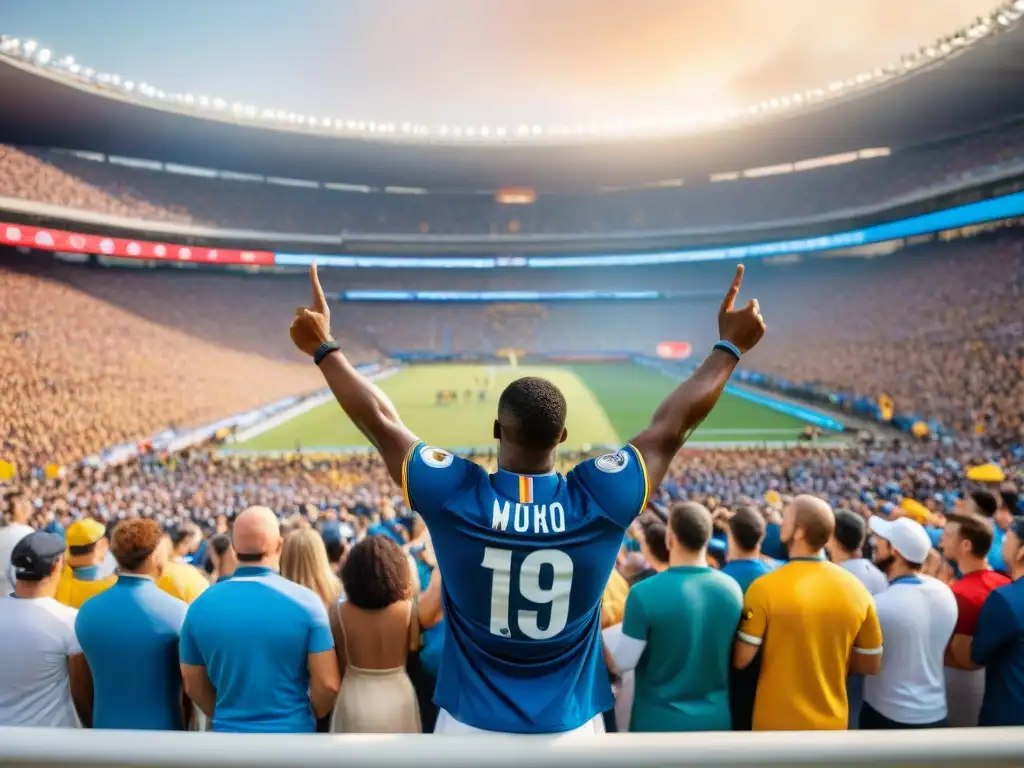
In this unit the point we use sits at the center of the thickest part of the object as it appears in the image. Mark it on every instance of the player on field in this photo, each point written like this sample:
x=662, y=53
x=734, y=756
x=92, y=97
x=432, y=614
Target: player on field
x=525, y=553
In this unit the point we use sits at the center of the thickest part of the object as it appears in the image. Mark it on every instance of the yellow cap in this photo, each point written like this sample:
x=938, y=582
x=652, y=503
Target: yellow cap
x=986, y=473
x=82, y=533
x=916, y=511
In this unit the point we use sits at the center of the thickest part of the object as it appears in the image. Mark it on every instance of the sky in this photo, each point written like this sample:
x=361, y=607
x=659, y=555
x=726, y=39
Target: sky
x=487, y=61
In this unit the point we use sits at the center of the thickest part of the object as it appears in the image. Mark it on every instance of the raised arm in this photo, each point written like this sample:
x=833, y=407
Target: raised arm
x=363, y=402
x=688, y=405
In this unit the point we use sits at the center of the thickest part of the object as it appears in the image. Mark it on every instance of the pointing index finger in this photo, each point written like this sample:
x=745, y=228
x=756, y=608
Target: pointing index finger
x=319, y=302
x=734, y=289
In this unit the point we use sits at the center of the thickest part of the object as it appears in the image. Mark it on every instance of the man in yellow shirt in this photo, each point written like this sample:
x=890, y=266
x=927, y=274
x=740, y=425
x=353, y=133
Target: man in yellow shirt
x=85, y=575
x=814, y=624
x=179, y=579
x=613, y=601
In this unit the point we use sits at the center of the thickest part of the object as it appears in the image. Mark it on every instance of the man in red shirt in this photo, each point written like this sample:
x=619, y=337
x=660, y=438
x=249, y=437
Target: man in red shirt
x=965, y=542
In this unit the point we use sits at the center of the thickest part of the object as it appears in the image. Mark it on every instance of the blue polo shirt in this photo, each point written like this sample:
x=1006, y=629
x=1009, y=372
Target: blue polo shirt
x=998, y=645
x=746, y=570
x=253, y=633
x=129, y=634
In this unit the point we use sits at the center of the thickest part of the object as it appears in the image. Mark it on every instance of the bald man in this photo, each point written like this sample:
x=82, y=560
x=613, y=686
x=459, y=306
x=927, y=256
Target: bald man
x=822, y=624
x=257, y=654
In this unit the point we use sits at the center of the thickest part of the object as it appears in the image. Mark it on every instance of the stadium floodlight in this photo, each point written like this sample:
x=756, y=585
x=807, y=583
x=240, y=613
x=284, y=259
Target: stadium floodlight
x=219, y=103
x=443, y=130
x=29, y=47
x=500, y=130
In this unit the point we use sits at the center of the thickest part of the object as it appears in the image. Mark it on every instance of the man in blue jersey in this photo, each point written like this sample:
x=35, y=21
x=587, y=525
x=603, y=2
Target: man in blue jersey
x=525, y=553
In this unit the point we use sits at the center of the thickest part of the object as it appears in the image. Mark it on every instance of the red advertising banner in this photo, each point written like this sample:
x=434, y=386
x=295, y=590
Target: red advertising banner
x=44, y=239
x=673, y=350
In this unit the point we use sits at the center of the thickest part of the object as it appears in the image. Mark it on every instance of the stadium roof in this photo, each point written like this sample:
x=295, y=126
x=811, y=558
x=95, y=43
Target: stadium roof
x=981, y=85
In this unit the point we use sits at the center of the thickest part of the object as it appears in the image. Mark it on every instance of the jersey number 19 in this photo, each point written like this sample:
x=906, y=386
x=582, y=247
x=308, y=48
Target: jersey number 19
x=557, y=595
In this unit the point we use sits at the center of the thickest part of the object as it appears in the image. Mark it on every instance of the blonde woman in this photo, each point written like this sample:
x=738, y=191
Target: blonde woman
x=304, y=561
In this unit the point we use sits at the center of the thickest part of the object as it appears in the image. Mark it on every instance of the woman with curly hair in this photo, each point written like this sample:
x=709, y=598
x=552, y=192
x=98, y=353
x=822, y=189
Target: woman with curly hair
x=375, y=626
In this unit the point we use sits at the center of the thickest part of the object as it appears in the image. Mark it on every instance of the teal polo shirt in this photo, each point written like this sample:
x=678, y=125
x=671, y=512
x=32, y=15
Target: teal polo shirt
x=688, y=617
x=129, y=634
x=254, y=633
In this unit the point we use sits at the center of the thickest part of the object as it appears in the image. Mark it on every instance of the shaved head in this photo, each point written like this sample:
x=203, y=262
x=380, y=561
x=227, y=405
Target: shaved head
x=815, y=518
x=256, y=533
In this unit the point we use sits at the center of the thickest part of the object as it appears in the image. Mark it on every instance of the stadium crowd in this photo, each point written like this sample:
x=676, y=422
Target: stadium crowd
x=343, y=518
x=155, y=195
x=108, y=563
x=198, y=346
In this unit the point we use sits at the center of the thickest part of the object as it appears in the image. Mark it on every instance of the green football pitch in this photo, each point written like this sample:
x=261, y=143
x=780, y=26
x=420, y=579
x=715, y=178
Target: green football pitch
x=608, y=404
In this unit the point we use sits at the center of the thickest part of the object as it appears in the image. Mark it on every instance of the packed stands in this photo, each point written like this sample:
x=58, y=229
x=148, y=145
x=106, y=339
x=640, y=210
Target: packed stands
x=81, y=374
x=856, y=324
x=161, y=196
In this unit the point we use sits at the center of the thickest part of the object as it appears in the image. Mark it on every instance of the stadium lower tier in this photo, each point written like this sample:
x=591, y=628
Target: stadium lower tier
x=93, y=356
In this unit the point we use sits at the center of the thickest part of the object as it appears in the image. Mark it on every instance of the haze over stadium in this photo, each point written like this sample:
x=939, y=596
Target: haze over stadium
x=689, y=324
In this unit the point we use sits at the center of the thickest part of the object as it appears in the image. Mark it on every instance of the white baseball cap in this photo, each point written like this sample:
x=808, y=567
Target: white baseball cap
x=905, y=536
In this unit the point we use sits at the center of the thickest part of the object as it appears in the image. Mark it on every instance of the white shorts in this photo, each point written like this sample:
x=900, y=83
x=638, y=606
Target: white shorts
x=449, y=726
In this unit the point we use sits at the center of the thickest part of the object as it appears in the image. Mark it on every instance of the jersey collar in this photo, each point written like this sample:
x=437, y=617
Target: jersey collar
x=526, y=489
x=87, y=573
x=909, y=579
x=253, y=571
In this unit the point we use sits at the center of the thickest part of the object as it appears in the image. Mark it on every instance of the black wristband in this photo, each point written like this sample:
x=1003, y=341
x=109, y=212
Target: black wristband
x=324, y=350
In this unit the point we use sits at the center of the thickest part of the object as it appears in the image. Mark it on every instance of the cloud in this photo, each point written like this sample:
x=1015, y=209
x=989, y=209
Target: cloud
x=565, y=60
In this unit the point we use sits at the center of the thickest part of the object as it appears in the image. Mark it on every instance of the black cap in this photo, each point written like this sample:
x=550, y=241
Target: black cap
x=35, y=555
x=850, y=530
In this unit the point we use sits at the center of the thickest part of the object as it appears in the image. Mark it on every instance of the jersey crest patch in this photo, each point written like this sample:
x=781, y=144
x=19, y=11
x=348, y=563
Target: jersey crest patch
x=435, y=457
x=612, y=462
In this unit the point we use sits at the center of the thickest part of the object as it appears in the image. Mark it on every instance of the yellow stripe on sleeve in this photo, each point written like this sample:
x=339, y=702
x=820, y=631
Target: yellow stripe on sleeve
x=647, y=484
x=405, y=474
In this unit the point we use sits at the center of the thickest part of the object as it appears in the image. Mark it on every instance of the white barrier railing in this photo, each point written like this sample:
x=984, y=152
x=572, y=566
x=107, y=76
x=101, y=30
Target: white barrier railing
x=976, y=747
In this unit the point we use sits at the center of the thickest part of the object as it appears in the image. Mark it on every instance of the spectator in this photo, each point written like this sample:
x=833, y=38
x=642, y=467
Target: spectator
x=999, y=639
x=613, y=600
x=129, y=635
x=966, y=541
x=824, y=622
x=179, y=578
x=87, y=574
x=650, y=533
x=304, y=561
x=14, y=528
x=917, y=615
x=44, y=678
x=222, y=556
x=677, y=634
x=375, y=627
x=745, y=530
x=257, y=654
x=1001, y=520
x=984, y=503
x=845, y=550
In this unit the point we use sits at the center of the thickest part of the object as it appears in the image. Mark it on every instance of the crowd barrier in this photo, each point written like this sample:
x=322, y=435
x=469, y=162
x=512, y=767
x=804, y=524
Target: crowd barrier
x=59, y=748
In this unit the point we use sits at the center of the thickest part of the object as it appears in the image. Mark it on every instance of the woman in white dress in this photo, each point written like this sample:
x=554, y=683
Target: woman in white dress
x=375, y=625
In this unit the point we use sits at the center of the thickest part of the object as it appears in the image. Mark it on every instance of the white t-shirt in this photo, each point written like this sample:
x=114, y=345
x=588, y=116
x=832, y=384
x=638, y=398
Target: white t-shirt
x=10, y=535
x=918, y=615
x=36, y=638
x=867, y=573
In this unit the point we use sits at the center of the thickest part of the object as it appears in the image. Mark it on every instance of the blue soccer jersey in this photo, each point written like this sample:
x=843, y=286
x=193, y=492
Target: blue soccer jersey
x=525, y=559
